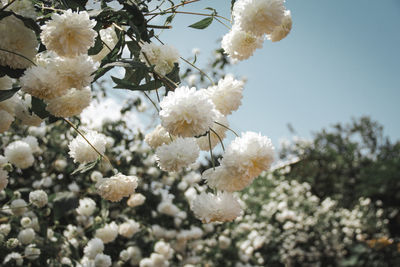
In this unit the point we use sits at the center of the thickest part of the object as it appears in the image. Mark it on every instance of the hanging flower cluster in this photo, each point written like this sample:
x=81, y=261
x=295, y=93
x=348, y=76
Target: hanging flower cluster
x=253, y=21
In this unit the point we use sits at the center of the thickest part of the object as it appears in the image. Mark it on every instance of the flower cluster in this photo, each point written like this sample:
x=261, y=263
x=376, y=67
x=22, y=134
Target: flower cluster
x=253, y=19
x=63, y=74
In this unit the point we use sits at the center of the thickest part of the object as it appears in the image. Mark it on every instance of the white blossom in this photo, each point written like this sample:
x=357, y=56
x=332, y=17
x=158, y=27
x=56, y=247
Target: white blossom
x=93, y=247
x=282, y=30
x=86, y=206
x=20, y=154
x=38, y=198
x=82, y=152
x=116, y=187
x=108, y=233
x=128, y=228
x=163, y=57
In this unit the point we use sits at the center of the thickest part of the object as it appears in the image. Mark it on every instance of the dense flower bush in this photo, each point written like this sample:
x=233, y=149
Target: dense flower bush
x=76, y=191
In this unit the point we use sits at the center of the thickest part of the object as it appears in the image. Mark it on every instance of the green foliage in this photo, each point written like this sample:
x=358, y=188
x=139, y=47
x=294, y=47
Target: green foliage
x=348, y=162
x=202, y=24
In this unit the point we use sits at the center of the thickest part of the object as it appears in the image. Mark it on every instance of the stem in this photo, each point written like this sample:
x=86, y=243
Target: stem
x=227, y=128
x=24, y=57
x=211, y=154
x=217, y=19
x=188, y=13
x=191, y=64
x=158, y=96
x=219, y=138
x=154, y=104
x=200, y=70
x=7, y=5
x=81, y=134
x=159, y=26
x=182, y=4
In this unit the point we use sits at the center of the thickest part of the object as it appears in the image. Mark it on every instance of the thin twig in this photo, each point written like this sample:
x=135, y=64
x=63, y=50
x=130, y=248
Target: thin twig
x=159, y=26
x=217, y=19
x=81, y=134
x=24, y=57
x=188, y=13
x=211, y=153
x=154, y=104
x=227, y=128
x=219, y=138
x=7, y=5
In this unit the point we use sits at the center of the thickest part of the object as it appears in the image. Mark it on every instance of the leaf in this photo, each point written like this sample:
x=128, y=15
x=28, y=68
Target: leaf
x=6, y=94
x=64, y=202
x=202, y=24
x=85, y=167
x=13, y=73
x=39, y=108
x=123, y=84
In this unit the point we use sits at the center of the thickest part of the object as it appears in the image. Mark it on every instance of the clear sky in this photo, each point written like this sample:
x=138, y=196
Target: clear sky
x=341, y=60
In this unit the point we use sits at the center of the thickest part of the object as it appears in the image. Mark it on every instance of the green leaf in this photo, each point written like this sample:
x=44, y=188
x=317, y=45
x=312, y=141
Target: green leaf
x=123, y=84
x=6, y=94
x=85, y=167
x=13, y=73
x=202, y=24
x=64, y=202
x=39, y=108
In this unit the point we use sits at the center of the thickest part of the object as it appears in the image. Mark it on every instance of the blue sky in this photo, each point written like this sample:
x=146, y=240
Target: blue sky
x=340, y=61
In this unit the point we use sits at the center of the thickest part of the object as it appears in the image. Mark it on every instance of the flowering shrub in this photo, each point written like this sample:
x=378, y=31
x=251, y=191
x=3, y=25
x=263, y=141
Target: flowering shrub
x=89, y=194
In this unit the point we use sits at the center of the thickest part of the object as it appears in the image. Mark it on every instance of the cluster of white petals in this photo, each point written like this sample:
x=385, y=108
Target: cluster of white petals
x=38, y=198
x=239, y=44
x=282, y=30
x=5, y=120
x=82, y=152
x=163, y=57
x=217, y=134
x=252, y=20
x=69, y=34
x=244, y=159
x=258, y=16
x=222, y=207
x=158, y=137
x=70, y=104
x=20, y=154
x=20, y=41
x=227, y=95
x=135, y=200
x=186, y=112
x=178, y=154
x=116, y=187
x=86, y=206
x=94, y=246
x=128, y=228
x=108, y=233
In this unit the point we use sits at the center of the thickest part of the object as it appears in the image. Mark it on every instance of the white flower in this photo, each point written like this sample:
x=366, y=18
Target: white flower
x=258, y=16
x=135, y=200
x=248, y=155
x=186, y=112
x=222, y=207
x=282, y=30
x=227, y=95
x=33, y=143
x=239, y=44
x=23, y=113
x=74, y=72
x=38, y=198
x=220, y=131
x=26, y=236
x=110, y=39
x=162, y=56
x=18, y=206
x=116, y=187
x=69, y=34
x=164, y=249
x=5, y=120
x=102, y=260
x=179, y=154
x=82, y=152
x=155, y=260
x=108, y=233
x=26, y=222
x=40, y=81
x=157, y=137
x=14, y=256
x=20, y=154
x=168, y=208
x=128, y=228
x=31, y=253
x=94, y=246
x=86, y=206
x=3, y=178
x=60, y=164
x=70, y=104
x=21, y=41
